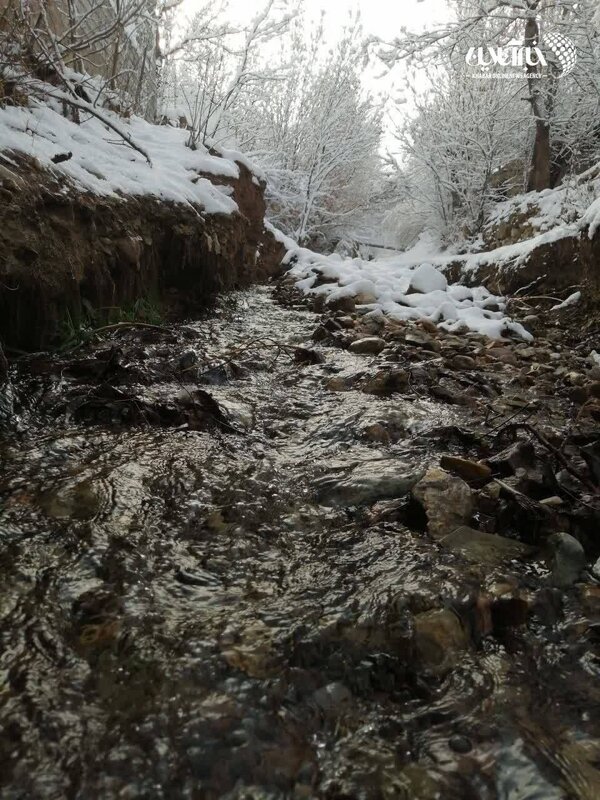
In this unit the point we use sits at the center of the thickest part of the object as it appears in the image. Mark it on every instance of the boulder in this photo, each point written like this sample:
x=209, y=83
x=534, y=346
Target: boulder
x=446, y=499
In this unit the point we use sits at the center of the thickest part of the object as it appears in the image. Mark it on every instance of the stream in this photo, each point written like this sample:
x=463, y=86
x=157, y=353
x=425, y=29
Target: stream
x=214, y=585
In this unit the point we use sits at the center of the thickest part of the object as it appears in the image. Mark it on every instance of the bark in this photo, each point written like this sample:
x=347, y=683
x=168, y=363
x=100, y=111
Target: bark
x=539, y=172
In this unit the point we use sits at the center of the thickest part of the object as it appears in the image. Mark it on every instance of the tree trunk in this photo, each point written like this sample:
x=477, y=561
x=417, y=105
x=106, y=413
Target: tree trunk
x=539, y=172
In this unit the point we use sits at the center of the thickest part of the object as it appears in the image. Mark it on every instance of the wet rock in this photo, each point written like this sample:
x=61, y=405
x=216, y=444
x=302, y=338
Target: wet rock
x=188, y=360
x=386, y=382
x=568, y=559
x=596, y=570
x=460, y=744
x=217, y=376
x=484, y=548
x=471, y=471
x=365, y=484
x=341, y=383
x=447, y=395
x=439, y=638
x=520, y=454
x=446, y=499
x=461, y=362
x=370, y=345
x=306, y=355
x=333, y=698
x=421, y=339
x=346, y=304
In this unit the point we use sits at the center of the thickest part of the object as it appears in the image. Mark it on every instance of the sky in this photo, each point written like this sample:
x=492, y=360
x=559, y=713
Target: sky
x=380, y=18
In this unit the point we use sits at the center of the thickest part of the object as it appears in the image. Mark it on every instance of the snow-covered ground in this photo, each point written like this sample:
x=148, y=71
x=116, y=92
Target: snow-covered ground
x=405, y=287
x=102, y=163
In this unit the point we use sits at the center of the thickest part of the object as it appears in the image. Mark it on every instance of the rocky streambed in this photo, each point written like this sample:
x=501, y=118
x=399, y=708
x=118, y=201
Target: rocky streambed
x=275, y=554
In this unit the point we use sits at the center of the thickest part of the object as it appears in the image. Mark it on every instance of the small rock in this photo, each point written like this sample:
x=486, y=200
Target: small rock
x=460, y=744
x=306, y=355
x=471, y=471
x=188, y=360
x=484, y=548
x=386, y=382
x=365, y=484
x=340, y=383
x=596, y=569
x=370, y=345
x=426, y=278
x=422, y=340
x=333, y=698
x=345, y=304
x=568, y=559
x=461, y=362
x=439, y=638
x=447, y=500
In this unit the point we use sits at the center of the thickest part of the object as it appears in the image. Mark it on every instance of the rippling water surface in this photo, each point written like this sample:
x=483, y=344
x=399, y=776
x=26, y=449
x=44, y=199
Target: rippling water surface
x=180, y=618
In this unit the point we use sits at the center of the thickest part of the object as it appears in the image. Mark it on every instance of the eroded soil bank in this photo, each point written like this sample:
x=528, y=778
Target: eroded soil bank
x=269, y=554
x=69, y=257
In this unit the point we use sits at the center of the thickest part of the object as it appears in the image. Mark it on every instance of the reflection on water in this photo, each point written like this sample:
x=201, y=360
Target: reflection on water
x=180, y=617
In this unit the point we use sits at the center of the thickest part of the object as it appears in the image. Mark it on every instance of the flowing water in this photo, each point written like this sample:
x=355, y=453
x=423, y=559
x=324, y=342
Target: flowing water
x=190, y=610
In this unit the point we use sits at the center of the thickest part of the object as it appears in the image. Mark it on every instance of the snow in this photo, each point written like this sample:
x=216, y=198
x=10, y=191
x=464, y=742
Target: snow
x=103, y=164
x=402, y=291
x=571, y=300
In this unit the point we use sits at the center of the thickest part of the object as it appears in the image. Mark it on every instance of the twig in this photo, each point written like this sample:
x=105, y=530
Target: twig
x=558, y=455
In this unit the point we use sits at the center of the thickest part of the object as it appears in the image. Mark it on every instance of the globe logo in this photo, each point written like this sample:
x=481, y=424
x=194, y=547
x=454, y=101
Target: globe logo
x=563, y=50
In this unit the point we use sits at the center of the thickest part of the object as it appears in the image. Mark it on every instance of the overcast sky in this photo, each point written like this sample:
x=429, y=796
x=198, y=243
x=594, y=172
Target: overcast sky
x=381, y=18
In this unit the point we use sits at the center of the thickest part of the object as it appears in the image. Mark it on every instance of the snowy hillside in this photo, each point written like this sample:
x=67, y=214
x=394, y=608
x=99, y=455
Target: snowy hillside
x=95, y=156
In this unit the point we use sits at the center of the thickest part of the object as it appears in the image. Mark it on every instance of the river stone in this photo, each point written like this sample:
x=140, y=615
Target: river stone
x=346, y=304
x=568, y=559
x=365, y=484
x=332, y=698
x=370, y=345
x=439, y=637
x=446, y=499
x=485, y=548
x=466, y=469
x=386, y=382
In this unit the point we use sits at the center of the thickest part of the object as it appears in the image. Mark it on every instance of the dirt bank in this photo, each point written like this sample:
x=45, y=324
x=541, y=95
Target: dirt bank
x=64, y=253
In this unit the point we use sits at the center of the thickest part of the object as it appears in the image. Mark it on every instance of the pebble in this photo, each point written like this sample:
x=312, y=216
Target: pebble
x=460, y=744
x=370, y=345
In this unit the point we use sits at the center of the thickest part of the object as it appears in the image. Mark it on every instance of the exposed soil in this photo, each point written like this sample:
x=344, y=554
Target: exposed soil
x=64, y=254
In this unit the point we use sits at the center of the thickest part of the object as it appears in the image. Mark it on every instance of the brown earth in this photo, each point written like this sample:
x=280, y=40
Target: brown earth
x=63, y=252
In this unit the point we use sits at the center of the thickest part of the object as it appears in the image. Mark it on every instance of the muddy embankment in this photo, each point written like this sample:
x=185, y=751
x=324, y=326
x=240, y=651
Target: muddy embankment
x=551, y=267
x=65, y=255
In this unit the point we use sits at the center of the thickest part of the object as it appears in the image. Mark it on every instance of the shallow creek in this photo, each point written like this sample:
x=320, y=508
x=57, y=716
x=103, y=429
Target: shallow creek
x=192, y=611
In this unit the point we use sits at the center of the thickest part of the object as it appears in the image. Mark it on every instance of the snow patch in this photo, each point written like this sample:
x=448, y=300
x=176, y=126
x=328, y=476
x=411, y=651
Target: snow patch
x=98, y=161
x=402, y=291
